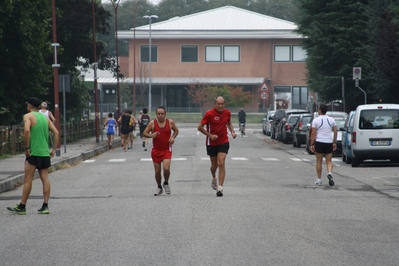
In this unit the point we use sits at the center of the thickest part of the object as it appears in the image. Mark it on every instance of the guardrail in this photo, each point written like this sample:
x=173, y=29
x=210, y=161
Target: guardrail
x=12, y=139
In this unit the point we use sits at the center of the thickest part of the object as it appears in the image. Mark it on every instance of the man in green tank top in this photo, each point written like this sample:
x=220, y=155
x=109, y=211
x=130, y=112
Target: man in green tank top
x=36, y=130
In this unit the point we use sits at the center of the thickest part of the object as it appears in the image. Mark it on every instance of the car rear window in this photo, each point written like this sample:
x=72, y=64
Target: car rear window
x=379, y=119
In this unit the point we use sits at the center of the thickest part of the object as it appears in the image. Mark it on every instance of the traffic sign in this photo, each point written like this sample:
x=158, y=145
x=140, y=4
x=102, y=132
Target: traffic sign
x=263, y=95
x=357, y=73
x=264, y=87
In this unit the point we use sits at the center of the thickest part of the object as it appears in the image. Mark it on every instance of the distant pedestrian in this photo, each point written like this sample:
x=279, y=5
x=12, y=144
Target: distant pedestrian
x=217, y=121
x=43, y=110
x=111, y=126
x=160, y=130
x=322, y=143
x=36, y=130
x=124, y=120
x=242, y=118
x=143, y=122
x=117, y=114
x=132, y=126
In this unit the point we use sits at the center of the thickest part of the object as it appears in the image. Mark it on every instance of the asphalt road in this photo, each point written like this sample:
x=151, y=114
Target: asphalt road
x=103, y=211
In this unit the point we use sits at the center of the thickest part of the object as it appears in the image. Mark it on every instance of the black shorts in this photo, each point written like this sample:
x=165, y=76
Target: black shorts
x=214, y=150
x=39, y=161
x=323, y=148
x=142, y=128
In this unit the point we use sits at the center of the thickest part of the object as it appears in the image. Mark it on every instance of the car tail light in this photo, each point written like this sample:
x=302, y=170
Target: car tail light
x=300, y=127
x=354, y=137
x=287, y=127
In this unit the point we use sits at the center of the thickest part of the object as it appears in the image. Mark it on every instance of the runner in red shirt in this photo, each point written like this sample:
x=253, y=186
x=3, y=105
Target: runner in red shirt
x=160, y=129
x=217, y=120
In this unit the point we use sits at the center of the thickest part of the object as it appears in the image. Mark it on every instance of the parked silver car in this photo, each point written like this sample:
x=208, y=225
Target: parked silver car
x=267, y=123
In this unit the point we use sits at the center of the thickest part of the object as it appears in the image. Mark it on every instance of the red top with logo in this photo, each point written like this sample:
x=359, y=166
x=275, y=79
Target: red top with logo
x=216, y=124
x=161, y=141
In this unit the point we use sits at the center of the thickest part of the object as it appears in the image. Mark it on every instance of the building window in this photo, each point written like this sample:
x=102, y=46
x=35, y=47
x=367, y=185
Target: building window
x=282, y=89
x=144, y=53
x=282, y=53
x=298, y=54
x=299, y=95
x=213, y=53
x=189, y=53
x=231, y=53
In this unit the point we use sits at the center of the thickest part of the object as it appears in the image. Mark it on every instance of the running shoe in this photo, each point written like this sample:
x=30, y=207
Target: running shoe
x=318, y=182
x=219, y=191
x=17, y=210
x=167, y=188
x=330, y=180
x=43, y=210
x=214, y=184
x=158, y=192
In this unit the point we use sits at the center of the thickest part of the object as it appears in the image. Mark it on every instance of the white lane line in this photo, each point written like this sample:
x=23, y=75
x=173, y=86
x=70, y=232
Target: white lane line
x=239, y=159
x=146, y=160
x=306, y=160
x=89, y=161
x=116, y=160
x=179, y=159
x=271, y=159
x=296, y=159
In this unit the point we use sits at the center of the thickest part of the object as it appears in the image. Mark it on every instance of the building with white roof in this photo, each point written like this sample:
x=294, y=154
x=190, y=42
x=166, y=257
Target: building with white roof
x=222, y=46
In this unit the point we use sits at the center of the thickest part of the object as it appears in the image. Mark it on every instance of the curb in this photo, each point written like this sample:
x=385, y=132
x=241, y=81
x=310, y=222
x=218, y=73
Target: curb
x=18, y=180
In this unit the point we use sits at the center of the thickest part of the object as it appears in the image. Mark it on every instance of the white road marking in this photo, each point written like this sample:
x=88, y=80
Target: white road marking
x=296, y=159
x=89, y=161
x=239, y=159
x=116, y=160
x=146, y=160
x=270, y=159
x=179, y=159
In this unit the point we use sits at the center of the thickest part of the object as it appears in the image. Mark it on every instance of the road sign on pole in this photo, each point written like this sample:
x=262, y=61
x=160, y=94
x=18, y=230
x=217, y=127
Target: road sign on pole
x=357, y=73
x=264, y=87
x=263, y=95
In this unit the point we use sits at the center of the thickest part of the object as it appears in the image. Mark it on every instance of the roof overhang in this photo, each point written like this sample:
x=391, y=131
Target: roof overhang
x=208, y=34
x=183, y=81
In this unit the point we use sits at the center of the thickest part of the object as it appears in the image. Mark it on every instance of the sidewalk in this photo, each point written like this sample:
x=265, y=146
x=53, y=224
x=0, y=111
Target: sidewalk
x=12, y=169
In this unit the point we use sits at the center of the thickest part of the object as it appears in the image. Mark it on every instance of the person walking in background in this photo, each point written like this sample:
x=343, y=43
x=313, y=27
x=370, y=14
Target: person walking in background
x=111, y=125
x=132, y=126
x=36, y=130
x=160, y=130
x=124, y=120
x=322, y=143
x=143, y=122
x=117, y=114
x=242, y=118
x=217, y=120
x=43, y=110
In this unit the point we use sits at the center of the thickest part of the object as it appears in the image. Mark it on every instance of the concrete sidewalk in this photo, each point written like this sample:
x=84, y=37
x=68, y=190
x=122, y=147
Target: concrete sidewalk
x=12, y=169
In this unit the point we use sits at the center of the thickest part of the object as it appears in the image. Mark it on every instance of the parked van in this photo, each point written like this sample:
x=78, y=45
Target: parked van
x=375, y=133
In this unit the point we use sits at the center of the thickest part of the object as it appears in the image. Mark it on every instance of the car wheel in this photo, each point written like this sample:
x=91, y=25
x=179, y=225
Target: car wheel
x=356, y=162
x=273, y=134
x=348, y=159
x=343, y=157
x=264, y=132
x=298, y=144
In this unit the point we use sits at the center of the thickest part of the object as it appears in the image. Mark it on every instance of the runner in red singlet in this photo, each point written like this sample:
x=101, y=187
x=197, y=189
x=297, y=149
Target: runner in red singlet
x=160, y=130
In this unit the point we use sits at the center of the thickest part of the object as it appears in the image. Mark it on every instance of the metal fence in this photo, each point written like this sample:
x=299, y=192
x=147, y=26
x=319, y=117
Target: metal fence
x=12, y=137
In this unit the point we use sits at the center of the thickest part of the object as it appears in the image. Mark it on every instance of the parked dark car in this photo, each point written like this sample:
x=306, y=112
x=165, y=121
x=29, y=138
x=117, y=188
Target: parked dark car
x=278, y=115
x=300, y=128
x=286, y=130
x=283, y=120
x=347, y=130
x=267, y=123
x=339, y=118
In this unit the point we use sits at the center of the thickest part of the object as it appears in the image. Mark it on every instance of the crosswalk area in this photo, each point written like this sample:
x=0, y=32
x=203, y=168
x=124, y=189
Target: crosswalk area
x=293, y=159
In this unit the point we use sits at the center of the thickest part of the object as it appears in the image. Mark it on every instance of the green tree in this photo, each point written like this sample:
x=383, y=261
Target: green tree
x=24, y=47
x=336, y=41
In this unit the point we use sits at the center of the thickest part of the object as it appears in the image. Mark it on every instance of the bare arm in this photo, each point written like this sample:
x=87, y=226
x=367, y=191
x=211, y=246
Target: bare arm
x=313, y=139
x=27, y=125
x=335, y=138
x=175, y=131
x=230, y=127
x=52, y=118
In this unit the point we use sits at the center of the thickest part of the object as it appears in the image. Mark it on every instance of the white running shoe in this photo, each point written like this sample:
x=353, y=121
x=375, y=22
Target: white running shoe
x=214, y=184
x=219, y=191
x=167, y=188
x=318, y=182
x=158, y=192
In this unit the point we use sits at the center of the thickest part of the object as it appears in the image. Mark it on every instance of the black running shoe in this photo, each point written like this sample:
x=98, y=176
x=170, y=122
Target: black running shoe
x=17, y=210
x=330, y=180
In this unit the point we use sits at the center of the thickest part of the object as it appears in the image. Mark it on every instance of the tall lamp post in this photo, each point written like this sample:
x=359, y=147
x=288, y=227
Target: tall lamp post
x=149, y=63
x=97, y=119
x=134, y=57
x=115, y=4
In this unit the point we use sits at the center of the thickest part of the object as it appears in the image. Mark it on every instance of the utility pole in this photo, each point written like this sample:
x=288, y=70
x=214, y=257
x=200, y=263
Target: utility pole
x=97, y=122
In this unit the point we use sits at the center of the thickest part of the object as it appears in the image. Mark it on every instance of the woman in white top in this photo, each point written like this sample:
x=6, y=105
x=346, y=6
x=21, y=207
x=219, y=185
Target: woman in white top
x=43, y=110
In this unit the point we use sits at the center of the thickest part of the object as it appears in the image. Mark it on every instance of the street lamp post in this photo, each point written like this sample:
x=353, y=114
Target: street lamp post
x=149, y=63
x=134, y=57
x=115, y=4
x=97, y=121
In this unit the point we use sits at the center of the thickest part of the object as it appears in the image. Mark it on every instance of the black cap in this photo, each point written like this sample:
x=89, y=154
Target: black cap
x=35, y=102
